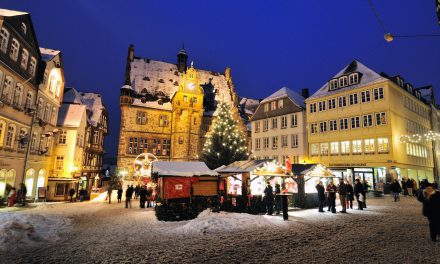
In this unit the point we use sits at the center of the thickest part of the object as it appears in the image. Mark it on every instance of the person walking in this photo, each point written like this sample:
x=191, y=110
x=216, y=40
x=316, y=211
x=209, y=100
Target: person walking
x=415, y=188
x=81, y=194
x=430, y=198
x=365, y=189
x=71, y=193
x=331, y=192
x=137, y=189
x=396, y=190
x=268, y=196
x=23, y=192
x=149, y=197
x=321, y=196
x=109, y=194
x=342, y=191
x=409, y=186
x=119, y=194
x=404, y=187
x=128, y=195
x=350, y=195
x=142, y=193
x=277, y=193
x=358, y=193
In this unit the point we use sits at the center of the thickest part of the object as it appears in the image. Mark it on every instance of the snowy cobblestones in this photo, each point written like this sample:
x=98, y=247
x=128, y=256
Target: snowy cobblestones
x=386, y=232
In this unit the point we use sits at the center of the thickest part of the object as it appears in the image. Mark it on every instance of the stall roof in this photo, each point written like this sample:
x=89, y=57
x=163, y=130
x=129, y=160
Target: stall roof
x=314, y=170
x=242, y=166
x=182, y=169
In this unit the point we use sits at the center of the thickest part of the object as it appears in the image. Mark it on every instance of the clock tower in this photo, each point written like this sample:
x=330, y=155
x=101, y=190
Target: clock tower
x=187, y=114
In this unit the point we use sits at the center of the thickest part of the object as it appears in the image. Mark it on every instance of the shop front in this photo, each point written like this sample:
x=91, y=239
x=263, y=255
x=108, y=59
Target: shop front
x=58, y=189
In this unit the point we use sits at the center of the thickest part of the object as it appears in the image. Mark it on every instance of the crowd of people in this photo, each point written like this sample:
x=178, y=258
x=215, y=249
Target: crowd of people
x=143, y=193
x=14, y=196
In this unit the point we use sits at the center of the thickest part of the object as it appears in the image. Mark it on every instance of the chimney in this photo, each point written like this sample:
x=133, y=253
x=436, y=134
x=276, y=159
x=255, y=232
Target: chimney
x=305, y=93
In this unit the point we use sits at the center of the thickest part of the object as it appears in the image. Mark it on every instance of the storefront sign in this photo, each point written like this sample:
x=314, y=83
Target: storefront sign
x=347, y=164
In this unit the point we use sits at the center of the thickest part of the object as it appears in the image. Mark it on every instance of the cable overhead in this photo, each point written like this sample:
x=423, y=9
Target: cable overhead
x=376, y=14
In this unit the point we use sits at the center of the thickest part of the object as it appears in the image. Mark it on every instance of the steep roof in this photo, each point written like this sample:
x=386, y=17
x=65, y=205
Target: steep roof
x=368, y=76
x=182, y=168
x=286, y=92
x=10, y=13
x=48, y=54
x=93, y=102
x=70, y=115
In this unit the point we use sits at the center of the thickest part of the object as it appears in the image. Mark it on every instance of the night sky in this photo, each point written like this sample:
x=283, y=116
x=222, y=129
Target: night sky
x=268, y=44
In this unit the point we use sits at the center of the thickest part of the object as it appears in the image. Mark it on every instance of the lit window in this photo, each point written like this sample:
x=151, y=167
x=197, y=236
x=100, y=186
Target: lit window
x=17, y=95
x=14, y=49
x=334, y=148
x=369, y=145
x=314, y=149
x=383, y=145
x=324, y=148
x=266, y=107
x=280, y=103
x=357, y=146
x=4, y=39
x=10, y=136
x=24, y=58
x=7, y=89
x=345, y=147
x=273, y=105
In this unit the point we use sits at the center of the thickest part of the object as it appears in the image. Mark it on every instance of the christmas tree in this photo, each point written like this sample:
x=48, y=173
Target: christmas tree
x=225, y=143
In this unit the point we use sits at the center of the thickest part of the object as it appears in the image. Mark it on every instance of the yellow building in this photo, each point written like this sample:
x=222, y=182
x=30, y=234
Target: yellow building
x=357, y=123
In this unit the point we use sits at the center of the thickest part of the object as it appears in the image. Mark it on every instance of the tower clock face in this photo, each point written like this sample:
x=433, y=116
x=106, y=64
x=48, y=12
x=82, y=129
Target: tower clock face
x=191, y=86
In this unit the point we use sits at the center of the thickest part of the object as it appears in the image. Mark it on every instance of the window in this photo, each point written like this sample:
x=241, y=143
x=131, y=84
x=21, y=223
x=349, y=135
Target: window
x=313, y=108
x=378, y=93
x=24, y=58
x=32, y=66
x=274, y=123
x=58, y=90
x=283, y=121
x=257, y=143
x=324, y=148
x=257, y=126
x=34, y=141
x=15, y=46
x=280, y=104
x=40, y=109
x=273, y=105
x=353, y=78
x=334, y=148
x=10, y=136
x=274, y=142
x=62, y=137
x=163, y=120
x=266, y=107
x=17, y=94
x=23, y=28
x=343, y=124
x=314, y=128
x=355, y=122
x=342, y=101
x=333, y=125
x=333, y=84
x=381, y=118
x=321, y=106
x=293, y=120
x=2, y=131
x=353, y=99
x=294, y=141
x=29, y=99
x=265, y=125
x=369, y=145
x=59, y=163
x=314, y=149
x=95, y=137
x=54, y=115
x=52, y=84
x=332, y=103
x=46, y=116
x=382, y=145
x=266, y=142
x=46, y=73
x=141, y=118
x=365, y=96
x=345, y=147
x=322, y=127
x=368, y=120
x=284, y=141
x=4, y=39
x=7, y=89
x=343, y=81
x=357, y=146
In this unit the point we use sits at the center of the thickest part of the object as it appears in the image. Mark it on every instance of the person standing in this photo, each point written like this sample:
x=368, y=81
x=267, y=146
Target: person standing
x=350, y=195
x=128, y=195
x=396, y=190
x=342, y=191
x=358, y=193
x=142, y=193
x=149, y=197
x=11, y=197
x=119, y=194
x=23, y=192
x=404, y=187
x=430, y=198
x=109, y=194
x=277, y=193
x=71, y=193
x=331, y=192
x=268, y=196
x=137, y=189
x=409, y=186
x=81, y=194
x=321, y=196
x=365, y=188
x=415, y=188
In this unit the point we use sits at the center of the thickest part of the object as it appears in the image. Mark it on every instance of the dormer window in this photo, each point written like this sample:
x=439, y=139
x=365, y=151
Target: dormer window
x=409, y=88
x=266, y=107
x=23, y=28
x=343, y=81
x=353, y=79
x=333, y=84
x=280, y=103
x=273, y=105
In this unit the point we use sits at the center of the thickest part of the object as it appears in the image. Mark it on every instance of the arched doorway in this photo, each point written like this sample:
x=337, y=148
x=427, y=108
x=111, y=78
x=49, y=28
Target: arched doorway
x=41, y=180
x=30, y=176
x=3, y=182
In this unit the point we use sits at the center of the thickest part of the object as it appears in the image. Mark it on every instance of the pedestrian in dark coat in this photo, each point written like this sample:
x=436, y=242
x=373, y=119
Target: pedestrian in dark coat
x=365, y=188
x=71, y=193
x=404, y=187
x=277, y=198
x=430, y=198
x=396, y=190
x=120, y=194
x=137, y=189
x=358, y=189
x=142, y=196
x=350, y=195
x=23, y=192
x=128, y=195
x=268, y=197
x=149, y=197
x=342, y=191
x=331, y=192
x=321, y=196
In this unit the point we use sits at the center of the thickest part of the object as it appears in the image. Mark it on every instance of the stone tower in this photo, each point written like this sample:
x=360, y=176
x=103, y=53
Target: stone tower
x=182, y=60
x=127, y=93
x=187, y=114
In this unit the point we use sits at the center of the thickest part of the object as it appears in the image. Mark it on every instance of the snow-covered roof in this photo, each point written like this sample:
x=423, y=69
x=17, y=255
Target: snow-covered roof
x=48, y=54
x=368, y=76
x=286, y=92
x=242, y=166
x=9, y=13
x=92, y=101
x=249, y=105
x=161, y=79
x=182, y=168
x=70, y=115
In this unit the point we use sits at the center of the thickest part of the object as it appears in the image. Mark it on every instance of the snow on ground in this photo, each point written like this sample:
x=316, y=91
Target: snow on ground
x=96, y=232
